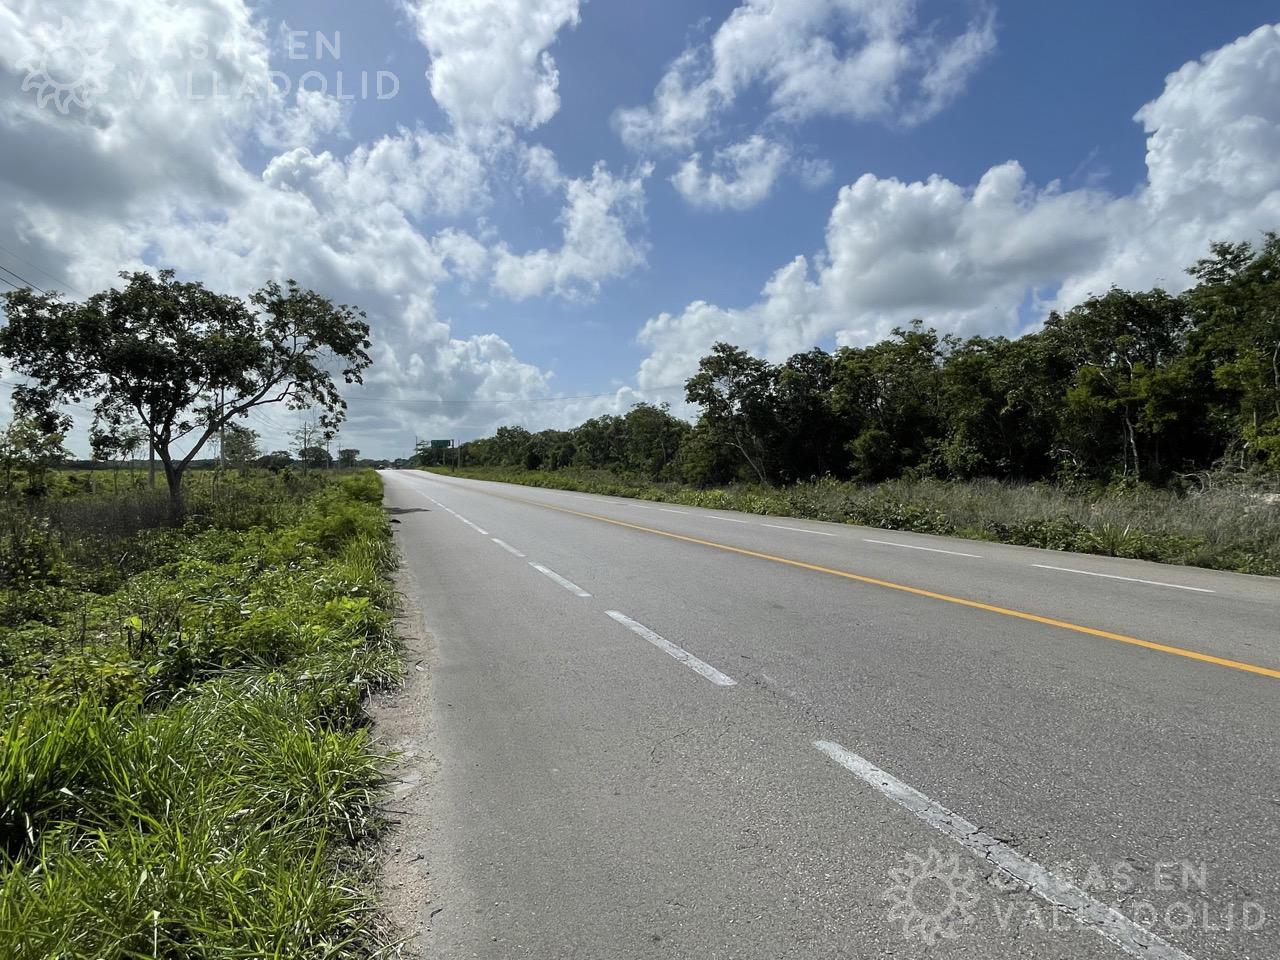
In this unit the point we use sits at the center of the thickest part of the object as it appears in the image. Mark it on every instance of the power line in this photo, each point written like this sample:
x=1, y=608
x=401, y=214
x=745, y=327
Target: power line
x=262, y=420
x=23, y=280
x=37, y=269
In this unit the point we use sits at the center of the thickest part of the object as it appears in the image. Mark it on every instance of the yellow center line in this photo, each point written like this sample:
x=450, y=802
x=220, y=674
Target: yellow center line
x=915, y=591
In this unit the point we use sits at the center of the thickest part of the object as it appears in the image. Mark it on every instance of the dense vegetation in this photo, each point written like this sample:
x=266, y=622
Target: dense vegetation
x=1137, y=424
x=1136, y=386
x=185, y=769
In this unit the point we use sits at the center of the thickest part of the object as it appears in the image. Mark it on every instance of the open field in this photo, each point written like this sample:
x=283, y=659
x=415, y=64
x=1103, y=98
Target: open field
x=1220, y=528
x=186, y=766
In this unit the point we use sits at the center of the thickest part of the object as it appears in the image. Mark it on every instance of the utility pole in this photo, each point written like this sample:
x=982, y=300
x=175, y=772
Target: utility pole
x=220, y=473
x=151, y=442
x=222, y=432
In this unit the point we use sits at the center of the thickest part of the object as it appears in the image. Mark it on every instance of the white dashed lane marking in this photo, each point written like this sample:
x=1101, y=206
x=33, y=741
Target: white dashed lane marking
x=1112, y=576
x=1060, y=894
x=506, y=546
x=912, y=546
x=816, y=533
x=683, y=656
x=567, y=584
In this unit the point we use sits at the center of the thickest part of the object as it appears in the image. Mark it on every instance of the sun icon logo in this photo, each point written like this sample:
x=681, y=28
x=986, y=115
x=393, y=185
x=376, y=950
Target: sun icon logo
x=69, y=68
x=932, y=897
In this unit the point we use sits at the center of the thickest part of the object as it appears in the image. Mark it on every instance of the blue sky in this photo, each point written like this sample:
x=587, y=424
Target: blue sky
x=998, y=166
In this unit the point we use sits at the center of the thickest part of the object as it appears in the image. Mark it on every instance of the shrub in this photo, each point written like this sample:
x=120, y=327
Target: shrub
x=30, y=555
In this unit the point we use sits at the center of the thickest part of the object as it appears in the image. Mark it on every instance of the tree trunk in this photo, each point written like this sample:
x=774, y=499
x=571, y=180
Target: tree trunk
x=751, y=463
x=177, y=504
x=1133, y=443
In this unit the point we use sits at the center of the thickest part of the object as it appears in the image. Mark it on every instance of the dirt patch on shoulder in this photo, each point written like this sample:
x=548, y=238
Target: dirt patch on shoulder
x=403, y=725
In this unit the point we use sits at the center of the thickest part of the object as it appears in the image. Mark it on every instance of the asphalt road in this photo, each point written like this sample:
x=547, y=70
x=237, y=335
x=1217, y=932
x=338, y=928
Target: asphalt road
x=673, y=732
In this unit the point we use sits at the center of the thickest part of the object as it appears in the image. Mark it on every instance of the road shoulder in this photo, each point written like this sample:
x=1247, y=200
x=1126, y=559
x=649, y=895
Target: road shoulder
x=404, y=728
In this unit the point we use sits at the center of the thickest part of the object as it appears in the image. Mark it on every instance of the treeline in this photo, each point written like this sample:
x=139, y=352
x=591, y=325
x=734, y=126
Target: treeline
x=1143, y=386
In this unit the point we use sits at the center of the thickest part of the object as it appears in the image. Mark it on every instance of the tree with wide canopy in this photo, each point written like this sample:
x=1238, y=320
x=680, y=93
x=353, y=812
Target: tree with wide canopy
x=182, y=360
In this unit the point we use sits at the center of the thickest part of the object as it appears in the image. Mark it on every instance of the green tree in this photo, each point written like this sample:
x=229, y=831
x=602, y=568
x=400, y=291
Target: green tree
x=315, y=456
x=1126, y=397
x=107, y=447
x=424, y=455
x=889, y=397
x=811, y=435
x=651, y=439
x=736, y=393
x=275, y=461
x=239, y=446
x=705, y=460
x=599, y=443
x=130, y=442
x=1001, y=404
x=1236, y=311
x=509, y=446
x=348, y=457
x=32, y=446
x=182, y=360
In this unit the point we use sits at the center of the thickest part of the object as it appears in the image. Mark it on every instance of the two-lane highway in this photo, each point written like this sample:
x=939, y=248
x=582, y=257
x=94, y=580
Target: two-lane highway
x=672, y=731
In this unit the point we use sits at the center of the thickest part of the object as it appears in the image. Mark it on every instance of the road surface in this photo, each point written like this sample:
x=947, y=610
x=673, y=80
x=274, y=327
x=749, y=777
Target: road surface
x=671, y=732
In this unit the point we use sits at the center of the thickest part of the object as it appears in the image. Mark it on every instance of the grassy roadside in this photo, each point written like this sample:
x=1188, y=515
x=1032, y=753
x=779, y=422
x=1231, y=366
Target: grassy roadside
x=1223, y=529
x=186, y=767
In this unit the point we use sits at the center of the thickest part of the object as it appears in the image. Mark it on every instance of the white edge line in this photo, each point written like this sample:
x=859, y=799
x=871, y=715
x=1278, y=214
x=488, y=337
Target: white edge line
x=816, y=533
x=1112, y=576
x=912, y=546
x=683, y=513
x=506, y=546
x=567, y=584
x=684, y=656
x=712, y=516
x=1108, y=923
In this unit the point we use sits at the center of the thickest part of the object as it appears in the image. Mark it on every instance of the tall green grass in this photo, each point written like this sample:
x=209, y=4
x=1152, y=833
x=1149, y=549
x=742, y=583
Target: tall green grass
x=185, y=765
x=1222, y=527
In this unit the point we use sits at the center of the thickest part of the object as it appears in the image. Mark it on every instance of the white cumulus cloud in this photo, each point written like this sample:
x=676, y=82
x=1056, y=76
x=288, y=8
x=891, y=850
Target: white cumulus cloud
x=153, y=171
x=490, y=65
x=739, y=176
x=598, y=219
x=968, y=259
x=859, y=59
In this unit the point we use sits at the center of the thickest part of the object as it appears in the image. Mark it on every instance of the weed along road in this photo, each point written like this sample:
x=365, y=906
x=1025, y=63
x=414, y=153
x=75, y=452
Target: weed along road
x=693, y=733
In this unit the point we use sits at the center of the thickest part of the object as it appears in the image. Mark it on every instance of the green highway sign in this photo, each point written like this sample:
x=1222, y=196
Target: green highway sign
x=441, y=444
